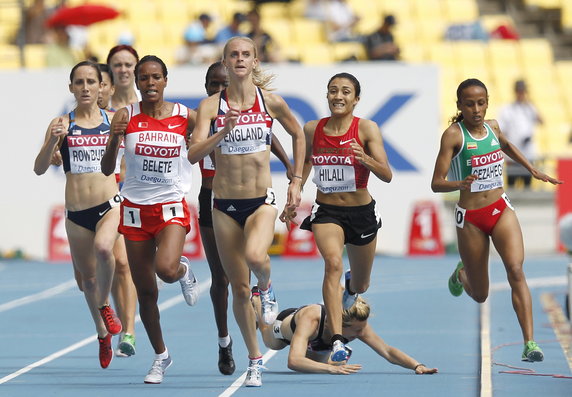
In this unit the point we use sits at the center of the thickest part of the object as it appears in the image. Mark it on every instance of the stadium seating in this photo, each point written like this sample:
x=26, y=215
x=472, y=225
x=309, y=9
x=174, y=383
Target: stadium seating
x=419, y=32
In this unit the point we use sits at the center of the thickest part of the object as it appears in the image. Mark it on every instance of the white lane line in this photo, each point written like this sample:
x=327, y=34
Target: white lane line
x=536, y=282
x=58, y=289
x=163, y=306
x=240, y=380
x=486, y=376
x=485, y=319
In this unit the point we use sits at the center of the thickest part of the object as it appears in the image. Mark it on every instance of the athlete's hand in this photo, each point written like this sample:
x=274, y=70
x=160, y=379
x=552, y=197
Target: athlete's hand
x=359, y=153
x=230, y=119
x=58, y=130
x=466, y=183
x=294, y=193
x=344, y=369
x=545, y=178
x=56, y=158
x=288, y=216
x=420, y=370
x=119, y=126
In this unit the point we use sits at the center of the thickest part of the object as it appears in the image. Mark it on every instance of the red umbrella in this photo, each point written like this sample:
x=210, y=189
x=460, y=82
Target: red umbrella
x=83, y=15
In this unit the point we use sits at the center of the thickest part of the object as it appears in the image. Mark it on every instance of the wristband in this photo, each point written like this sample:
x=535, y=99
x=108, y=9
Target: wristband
x=296, y=176
x=417, y=366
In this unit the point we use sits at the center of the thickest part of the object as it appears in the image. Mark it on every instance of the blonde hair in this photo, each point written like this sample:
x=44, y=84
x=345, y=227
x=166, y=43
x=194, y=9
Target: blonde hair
x=260, y=78
x=358, y=312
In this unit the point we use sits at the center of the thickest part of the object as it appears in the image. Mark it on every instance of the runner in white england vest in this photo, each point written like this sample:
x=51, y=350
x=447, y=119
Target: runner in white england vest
x=244, y=203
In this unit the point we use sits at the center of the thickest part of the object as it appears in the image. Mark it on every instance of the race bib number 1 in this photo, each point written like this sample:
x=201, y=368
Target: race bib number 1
x=131, y=217
x=173, y=210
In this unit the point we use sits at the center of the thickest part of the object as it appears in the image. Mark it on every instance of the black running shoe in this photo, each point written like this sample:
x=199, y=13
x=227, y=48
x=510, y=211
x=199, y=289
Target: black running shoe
x=225, y=361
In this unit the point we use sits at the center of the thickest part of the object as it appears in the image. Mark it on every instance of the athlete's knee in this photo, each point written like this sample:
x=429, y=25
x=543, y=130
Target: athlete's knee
x=333, y=264
x=88, y=283
x=360, y=287
x=103, y=251
x=256, y=259
x=480, y=297
x=241, y=292
x=515, y=274
x=122, y=267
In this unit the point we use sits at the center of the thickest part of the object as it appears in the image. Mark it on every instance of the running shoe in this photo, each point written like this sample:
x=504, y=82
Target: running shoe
x=455, y=285
x=269, y=305
x=532, y=352
x=189, y=283
x=126, y=346
x=254, y=373
x=110, y=319
x=155, y=374
x=105, y=351
x=348, y=300
x=339, y=353
x=226, y=364
x=349, y=352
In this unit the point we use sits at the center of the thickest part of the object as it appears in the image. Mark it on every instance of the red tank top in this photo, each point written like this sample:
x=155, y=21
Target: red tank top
x=335, y=168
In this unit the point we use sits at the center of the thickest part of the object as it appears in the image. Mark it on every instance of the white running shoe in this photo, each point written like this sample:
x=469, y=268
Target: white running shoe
x=339, y=353
x=348, y=300
x=157, y=370
x=269, y=305
x=254, y=373
x=189, y=283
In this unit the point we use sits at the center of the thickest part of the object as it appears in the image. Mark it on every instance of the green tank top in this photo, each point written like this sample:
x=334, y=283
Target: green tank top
x=482, y=157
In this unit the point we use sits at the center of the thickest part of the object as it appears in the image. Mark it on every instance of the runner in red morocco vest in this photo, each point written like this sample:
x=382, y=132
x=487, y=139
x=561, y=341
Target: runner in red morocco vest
x=157, y=169
x=335, y=168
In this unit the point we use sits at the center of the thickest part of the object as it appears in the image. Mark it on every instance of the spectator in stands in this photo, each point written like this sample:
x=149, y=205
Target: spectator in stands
x=231, y=29
x=195, y=51
x=315, y=9
x=35, y=17
x=517, y=120
x=202, y=25
x=340, y=21
x=266, y=47
x=59, y=52
x=380, y=44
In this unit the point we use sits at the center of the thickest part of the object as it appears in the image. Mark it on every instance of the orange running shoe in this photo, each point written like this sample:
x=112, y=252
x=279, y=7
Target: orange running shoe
x=110, y=319
x=105, y=351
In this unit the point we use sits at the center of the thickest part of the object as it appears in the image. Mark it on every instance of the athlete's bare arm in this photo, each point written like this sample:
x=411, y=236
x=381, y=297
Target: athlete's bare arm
x=512, y=151
x=372, y=155
x=279, y=110
x=451, y=141
x=288, y=215
x=307, y=326
x=392, y=354
x=116, y=134
x=201, y=143
x=53, y=138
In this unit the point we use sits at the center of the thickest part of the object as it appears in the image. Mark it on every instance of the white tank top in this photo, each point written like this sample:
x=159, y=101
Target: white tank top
x=157, y=168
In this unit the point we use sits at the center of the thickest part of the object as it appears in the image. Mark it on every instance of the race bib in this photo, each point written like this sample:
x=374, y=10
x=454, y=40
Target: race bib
x=489, y=171
x=334, y=179
x=85, y=153
x=157, y=160
x=250, y=135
